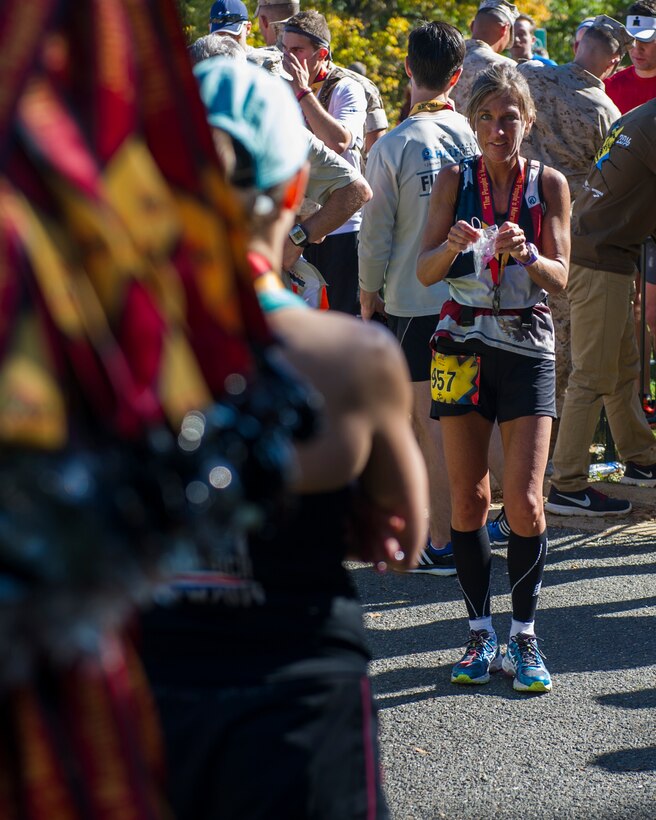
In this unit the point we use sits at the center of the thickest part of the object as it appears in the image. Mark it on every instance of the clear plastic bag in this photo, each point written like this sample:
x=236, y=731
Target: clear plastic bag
x=483, y=247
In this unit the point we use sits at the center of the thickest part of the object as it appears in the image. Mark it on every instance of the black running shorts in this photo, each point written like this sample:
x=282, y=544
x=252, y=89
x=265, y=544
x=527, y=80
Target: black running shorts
x=414, y=334
x=510, y=386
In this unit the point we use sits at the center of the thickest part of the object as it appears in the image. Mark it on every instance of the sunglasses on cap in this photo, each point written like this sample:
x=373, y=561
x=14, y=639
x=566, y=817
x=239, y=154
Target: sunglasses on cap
x=226, y=19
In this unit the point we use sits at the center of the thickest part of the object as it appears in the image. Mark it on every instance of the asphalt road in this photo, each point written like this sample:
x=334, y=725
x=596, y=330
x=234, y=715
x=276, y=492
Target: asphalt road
x=586, y=750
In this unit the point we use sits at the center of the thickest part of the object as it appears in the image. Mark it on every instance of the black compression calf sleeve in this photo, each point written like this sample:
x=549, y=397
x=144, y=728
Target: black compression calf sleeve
x=526, y=557
x=472, y=554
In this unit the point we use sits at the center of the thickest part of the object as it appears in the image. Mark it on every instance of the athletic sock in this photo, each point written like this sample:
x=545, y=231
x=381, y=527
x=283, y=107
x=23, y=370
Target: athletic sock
x=476, y=624
x=472, y=555
x=526, y=557
x=517, y=627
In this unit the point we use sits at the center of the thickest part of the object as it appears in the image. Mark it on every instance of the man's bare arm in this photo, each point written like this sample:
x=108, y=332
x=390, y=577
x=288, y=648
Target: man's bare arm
x=326, y=127
x=320, y=122
x=338, y=208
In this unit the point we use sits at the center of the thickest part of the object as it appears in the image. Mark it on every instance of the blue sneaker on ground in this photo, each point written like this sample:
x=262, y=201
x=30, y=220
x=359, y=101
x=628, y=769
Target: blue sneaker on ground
x=433, y=561
x=499, y=530
x=524, y=662
x=481, y=657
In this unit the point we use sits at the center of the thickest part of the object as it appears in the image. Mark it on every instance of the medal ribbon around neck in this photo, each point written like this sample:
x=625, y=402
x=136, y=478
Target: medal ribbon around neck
x=316, y=84
x=431, y=105
x=498, y=266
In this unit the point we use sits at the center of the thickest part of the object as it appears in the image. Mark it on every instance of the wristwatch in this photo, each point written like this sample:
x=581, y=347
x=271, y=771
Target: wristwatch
x=299, y=236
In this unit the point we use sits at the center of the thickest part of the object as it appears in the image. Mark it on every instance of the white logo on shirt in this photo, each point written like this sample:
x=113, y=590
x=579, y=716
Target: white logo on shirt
x=596, y=193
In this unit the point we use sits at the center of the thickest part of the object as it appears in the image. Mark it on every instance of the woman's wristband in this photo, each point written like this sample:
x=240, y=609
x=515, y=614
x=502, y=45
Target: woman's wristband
x=303, y=93
x=533, y=258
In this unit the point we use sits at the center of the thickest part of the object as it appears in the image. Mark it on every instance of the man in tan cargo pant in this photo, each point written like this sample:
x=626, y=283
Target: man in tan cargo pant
x=612, y=216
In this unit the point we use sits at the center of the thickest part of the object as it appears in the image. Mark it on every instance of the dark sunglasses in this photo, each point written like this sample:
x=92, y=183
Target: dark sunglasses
x=226, y=19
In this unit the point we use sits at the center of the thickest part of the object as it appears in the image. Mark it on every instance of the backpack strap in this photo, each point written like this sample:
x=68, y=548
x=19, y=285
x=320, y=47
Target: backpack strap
x=466, y=204
x=328, y=86
x=534, y=197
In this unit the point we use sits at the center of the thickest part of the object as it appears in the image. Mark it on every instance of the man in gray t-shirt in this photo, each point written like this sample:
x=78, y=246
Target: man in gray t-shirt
x=401, y=168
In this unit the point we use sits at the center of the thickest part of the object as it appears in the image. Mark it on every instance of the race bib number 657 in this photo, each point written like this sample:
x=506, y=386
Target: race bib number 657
x=455, y=379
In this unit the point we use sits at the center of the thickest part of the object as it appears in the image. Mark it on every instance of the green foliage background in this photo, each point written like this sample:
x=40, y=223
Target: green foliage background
x=375, y=32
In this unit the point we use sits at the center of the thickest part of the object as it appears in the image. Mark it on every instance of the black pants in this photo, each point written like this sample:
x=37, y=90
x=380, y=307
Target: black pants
x=297, y=749
x=337, y=260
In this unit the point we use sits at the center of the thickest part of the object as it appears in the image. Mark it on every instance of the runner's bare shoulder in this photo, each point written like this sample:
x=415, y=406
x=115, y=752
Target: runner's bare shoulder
x=361, y=374
x=358, y=361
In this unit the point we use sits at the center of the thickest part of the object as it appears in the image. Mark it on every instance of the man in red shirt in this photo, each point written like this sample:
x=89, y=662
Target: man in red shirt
x=636, y=84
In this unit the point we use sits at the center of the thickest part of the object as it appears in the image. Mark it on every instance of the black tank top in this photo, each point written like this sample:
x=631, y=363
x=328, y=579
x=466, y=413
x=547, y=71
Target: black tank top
x=309, y=621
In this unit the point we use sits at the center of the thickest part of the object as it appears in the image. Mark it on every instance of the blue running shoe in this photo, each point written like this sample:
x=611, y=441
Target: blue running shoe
x=524, y=662
x=481, y=657
x=433, y=561
x=499, y=530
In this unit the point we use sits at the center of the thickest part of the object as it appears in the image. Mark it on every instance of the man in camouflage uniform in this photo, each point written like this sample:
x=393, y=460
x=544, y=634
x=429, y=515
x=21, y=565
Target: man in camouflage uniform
x=573, y=110
x=573, y=115
x=492, y=32
x=613, y=214
x=272, y=15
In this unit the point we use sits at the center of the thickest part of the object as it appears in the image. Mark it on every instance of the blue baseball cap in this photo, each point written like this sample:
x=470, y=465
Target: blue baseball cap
x=260, y=112
x=228, y=16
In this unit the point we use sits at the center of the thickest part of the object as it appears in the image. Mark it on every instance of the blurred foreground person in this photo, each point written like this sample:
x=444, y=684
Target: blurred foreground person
x=265, y=703
x=125, y=305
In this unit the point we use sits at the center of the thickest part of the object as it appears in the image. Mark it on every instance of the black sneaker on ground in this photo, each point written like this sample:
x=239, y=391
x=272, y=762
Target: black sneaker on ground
x=434, y=561
x=639, y=476
x=585, y=502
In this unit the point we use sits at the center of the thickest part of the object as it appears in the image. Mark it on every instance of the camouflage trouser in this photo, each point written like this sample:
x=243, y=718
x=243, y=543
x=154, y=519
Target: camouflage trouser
x=560, y=311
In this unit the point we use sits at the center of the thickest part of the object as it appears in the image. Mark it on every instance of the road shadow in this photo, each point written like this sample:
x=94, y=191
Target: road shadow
x=627, y=760
x=604, y=638
x=626, y=640
x=396, y=590
x=578, y=549
x=642, y=699
x=415, y=684
x=434, y=623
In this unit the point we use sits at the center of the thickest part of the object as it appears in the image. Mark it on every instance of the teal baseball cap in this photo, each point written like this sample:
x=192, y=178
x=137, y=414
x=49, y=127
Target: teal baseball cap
x=259, y=112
